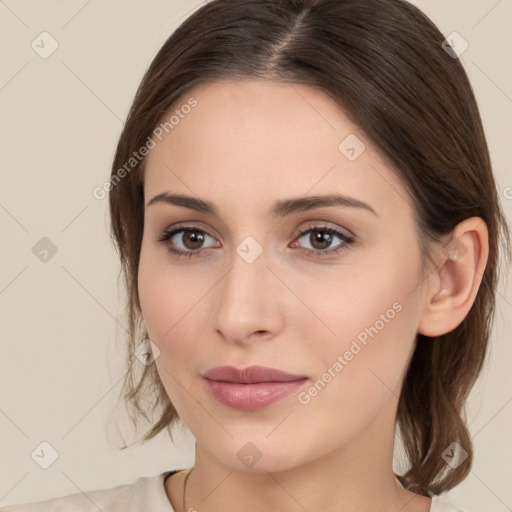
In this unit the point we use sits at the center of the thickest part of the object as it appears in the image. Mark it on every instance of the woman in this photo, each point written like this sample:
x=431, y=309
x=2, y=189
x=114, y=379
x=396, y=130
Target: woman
x=305, y=211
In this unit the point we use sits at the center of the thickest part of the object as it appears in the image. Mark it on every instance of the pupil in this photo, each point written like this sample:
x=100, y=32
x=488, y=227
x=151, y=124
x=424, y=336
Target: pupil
x=323, y=237
x=195, y=238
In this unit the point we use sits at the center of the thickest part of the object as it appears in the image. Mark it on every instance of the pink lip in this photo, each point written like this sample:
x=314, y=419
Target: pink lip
x=251, y=388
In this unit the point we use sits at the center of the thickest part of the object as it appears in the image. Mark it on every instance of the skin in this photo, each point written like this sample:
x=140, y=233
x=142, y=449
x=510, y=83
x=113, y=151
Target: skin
x=244, y=146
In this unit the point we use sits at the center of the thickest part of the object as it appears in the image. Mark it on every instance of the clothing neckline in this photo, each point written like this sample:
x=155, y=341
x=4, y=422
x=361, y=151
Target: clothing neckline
x=167, y=474
x=429, y=494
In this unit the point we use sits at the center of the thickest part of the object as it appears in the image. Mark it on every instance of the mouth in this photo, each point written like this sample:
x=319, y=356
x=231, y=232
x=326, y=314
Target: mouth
x=251, y=388
x=250, y=375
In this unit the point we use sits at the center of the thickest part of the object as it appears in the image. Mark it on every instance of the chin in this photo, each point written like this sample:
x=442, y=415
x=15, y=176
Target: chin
x=257, y=456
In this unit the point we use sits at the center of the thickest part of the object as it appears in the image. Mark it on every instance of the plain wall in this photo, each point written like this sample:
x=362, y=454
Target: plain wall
x=61, y=320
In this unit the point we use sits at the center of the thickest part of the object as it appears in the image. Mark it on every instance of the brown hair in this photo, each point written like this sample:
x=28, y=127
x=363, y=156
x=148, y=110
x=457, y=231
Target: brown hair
x=383, y=62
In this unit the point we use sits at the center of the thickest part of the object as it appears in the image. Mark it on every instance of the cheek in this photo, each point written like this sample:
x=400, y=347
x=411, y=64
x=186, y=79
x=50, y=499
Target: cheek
x=374, y=300
x=359, y=366
x=369, y=314
x=167, y=310
x=164, y=301
x=171, y=304
x=355, y=381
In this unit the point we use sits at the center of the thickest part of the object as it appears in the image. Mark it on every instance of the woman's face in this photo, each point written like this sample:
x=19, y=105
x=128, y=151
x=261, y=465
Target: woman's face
x=268, y=284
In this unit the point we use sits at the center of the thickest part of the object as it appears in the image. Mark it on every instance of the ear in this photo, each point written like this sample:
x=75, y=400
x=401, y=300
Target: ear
x=454, y=285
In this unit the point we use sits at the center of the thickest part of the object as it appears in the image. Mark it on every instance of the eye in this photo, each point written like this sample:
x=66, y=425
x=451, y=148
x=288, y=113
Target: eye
x=191, y=239
x=321, y=238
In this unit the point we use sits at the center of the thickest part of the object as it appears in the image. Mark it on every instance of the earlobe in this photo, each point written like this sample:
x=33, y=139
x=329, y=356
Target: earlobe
x=454, y=286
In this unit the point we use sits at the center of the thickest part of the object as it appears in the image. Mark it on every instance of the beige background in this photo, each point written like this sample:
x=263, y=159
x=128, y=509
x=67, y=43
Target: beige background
x=62, y=352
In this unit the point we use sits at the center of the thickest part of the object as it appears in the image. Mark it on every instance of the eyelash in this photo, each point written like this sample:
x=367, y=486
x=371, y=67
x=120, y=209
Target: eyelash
x=346, y=239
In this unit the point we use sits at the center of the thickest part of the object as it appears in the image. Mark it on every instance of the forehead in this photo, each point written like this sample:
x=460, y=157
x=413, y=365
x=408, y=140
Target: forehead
x=252, y=140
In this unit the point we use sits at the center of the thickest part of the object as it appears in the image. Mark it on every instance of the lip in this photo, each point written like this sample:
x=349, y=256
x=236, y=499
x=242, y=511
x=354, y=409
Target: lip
x=251, y=388
x=250, y=375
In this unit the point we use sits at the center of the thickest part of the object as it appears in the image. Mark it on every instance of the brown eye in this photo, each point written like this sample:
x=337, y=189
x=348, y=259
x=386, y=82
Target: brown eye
x=193, y=239
x=185, y=241
x=320, y=239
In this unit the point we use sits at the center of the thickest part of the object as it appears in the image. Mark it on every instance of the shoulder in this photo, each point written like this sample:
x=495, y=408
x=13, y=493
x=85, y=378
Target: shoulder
x=439, y=504
x=147, y=493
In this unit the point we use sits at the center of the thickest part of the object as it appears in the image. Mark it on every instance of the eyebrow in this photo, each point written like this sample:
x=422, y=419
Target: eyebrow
x=280, y=208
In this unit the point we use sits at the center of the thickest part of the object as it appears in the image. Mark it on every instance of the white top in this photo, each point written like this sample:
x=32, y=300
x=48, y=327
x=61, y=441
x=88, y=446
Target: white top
x=147, y=494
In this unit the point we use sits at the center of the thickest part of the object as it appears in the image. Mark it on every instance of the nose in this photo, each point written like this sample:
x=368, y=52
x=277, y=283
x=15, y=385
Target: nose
x=248, y=301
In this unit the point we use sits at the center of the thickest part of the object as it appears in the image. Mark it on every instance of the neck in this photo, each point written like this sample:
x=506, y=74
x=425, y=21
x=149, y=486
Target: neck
x=355, y=477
